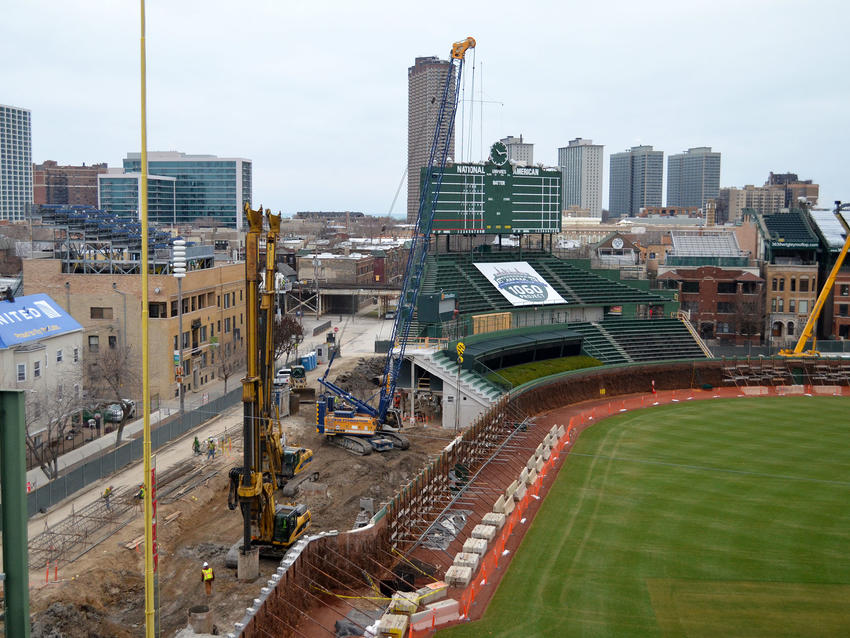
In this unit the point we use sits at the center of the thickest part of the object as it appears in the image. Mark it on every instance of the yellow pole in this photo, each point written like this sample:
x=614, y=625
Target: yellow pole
x=150, y=620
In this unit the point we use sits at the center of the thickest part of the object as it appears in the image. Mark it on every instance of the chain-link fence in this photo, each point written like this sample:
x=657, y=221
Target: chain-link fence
x=110, y=462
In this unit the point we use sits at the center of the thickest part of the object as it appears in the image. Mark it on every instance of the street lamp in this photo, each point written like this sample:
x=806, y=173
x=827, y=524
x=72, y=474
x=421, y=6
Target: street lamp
x=178, y=267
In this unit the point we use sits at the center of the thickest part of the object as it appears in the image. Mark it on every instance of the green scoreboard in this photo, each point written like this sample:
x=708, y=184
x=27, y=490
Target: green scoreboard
x=489, y=198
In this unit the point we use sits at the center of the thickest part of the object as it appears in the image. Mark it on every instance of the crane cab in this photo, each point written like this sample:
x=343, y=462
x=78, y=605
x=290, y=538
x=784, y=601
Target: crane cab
x=295, y=459
x=290, y=522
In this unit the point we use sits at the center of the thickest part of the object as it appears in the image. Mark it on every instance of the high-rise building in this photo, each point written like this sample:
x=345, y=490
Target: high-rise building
x=208, y=189
x=118, y=193
x=15, y=163
x=795, y=189
x=425, y=84
x=581, y=176
x=693, y=177
x=731, y=203
x=636, y=180
x=519, y=151
x=69, y=185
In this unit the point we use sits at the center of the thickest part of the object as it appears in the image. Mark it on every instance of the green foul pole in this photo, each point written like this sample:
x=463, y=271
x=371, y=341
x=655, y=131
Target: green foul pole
x=13, y=475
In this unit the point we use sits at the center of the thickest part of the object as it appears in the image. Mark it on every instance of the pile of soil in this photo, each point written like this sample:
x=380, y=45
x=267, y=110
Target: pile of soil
x=364, y=378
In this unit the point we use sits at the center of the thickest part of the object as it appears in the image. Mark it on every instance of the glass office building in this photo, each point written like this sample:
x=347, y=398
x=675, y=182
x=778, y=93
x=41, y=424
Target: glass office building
x=208, y=189
x=118, y=193
x=15, y=163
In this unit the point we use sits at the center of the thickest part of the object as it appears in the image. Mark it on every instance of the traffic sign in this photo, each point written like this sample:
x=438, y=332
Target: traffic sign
x=336, y=329
x=460, y=348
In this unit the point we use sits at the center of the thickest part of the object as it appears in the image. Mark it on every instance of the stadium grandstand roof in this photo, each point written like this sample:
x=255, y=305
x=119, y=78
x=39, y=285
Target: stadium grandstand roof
x=829, y=228
x=705, y=243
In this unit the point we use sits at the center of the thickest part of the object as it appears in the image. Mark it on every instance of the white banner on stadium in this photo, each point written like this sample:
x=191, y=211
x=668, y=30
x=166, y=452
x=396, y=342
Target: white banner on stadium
x=519, y=283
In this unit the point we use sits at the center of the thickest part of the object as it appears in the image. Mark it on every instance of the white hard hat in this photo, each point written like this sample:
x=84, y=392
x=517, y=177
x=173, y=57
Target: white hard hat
x=206, y=564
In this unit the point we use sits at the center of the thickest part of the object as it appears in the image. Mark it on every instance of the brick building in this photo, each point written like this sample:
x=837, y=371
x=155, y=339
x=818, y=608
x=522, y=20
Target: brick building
x=71, y=185
x=109, y=308
x=790, y=273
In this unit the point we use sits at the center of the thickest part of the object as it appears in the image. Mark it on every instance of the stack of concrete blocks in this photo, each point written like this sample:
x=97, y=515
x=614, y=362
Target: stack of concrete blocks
x=464, y=559
x=393, y=626
x=403, y=602
x=495, y=519
x=487, y=532
x=458, y=575
x=475, y=546
x=432, y=592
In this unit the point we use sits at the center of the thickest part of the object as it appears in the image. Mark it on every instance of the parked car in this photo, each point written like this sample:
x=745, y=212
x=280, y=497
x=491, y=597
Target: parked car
x=282, y=376
x=115, y=413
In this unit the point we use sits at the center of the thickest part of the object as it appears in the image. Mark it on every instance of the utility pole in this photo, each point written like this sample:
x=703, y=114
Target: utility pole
x=179, y=270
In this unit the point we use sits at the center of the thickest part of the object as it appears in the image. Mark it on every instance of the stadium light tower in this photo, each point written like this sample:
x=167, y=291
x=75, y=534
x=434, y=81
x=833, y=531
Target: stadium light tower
x=178, y=267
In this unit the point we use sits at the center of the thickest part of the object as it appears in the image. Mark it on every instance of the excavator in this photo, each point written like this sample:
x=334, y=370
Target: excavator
x=267, y=464
x=342, y=418
x=799, y=350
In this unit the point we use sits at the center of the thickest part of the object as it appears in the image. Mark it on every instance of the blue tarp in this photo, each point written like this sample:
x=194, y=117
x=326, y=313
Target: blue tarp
x=31, y=318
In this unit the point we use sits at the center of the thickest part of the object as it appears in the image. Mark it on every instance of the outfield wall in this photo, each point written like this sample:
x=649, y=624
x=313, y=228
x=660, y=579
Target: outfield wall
x=287, y=605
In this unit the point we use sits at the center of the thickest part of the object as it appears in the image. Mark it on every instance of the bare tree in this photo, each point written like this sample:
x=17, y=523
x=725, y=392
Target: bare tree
x=50, y=416
x=112, y=375
x=287, y=333
x=749, y=315
x=231, y=359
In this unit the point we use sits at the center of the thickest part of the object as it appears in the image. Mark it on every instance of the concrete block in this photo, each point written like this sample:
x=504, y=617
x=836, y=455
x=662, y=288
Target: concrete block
x=432, y=592
x=462, y=559
x=403, y=602
x=447, y=609
x=520, y=492
x=499, y=505
x=539, y=450
x=458, y=576
x=547, y=452
x=532, y=478
x=509, y=506
x=487, y=532
x=539, y=465
x=494, y=519
x=392, y=626
x=532, y=461
x=435, y=614
x=523, y=475
x=475, y=546
x=548, y=440
x=561, y=432
x=554, y=430
x=510, y=491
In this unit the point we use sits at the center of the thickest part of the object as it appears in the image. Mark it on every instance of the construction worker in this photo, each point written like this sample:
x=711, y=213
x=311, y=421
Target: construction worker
x=140, y=497
x=210, y=449
x=196, y=446
x=207, y=577
x=107, y=493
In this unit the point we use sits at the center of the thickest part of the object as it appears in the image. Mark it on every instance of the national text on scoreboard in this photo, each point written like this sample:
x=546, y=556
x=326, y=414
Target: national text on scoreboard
x=484, y=198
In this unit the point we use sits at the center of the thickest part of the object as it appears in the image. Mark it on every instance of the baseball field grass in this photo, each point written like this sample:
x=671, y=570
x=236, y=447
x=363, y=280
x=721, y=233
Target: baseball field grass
x=710, y=518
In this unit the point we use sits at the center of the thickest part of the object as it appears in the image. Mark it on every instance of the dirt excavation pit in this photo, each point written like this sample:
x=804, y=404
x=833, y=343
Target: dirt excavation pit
x=102, y=593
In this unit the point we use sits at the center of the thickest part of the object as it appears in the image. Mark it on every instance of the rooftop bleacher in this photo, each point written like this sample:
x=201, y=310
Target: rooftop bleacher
x=790, y=229
x=705, y=244
x=456, y=273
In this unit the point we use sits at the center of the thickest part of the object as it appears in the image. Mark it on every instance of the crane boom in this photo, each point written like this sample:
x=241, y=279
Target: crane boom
x=365, y=420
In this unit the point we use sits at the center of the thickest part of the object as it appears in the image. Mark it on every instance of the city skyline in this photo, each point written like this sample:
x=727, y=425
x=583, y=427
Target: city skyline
x=297, y=108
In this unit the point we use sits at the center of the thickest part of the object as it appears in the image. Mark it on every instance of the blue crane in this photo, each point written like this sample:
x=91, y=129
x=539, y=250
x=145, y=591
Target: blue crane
x=356, y=425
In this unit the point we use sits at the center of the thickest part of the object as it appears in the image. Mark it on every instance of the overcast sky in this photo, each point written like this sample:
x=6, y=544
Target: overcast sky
x=315, y=93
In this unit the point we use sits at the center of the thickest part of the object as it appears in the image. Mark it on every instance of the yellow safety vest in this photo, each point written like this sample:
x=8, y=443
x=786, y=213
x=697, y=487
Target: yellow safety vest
x=207, y=574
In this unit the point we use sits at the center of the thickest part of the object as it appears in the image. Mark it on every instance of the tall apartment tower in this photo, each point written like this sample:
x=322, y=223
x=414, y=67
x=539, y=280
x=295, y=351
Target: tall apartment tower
x=581, y=175
x=635, y=181
x=693, y=177
x=519, y=151
x=15, y=163
x=425, y=84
